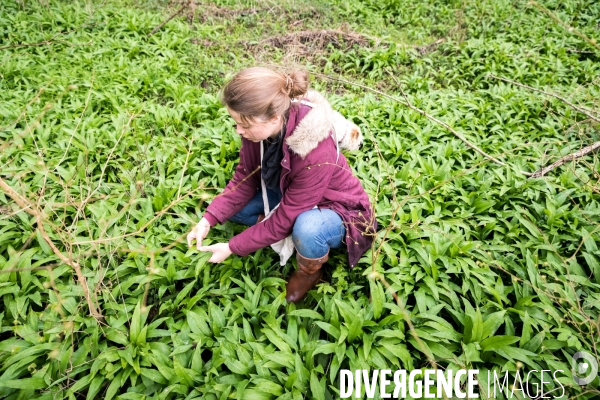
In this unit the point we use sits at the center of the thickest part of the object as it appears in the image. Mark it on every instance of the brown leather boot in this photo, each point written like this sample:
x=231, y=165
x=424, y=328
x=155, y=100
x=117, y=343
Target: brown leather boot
x=305, y=277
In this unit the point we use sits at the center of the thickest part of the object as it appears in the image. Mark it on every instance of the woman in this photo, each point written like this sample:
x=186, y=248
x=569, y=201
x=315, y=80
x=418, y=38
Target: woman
x=289, y=160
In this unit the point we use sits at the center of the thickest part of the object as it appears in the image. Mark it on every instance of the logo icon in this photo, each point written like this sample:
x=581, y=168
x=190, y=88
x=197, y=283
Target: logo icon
x=586, y=369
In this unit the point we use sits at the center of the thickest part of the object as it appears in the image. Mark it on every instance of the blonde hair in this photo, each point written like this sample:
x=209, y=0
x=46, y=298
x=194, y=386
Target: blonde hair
x=260, y=92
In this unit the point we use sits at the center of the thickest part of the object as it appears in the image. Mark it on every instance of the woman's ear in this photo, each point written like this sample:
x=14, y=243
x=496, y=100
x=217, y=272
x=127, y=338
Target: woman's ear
x=276, y=119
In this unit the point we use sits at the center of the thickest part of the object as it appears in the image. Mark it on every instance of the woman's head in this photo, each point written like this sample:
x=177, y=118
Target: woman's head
x=260, y=94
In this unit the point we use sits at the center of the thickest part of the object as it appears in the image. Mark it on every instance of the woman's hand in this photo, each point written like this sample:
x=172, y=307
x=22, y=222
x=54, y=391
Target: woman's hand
x=199, y=232
x=220, y=252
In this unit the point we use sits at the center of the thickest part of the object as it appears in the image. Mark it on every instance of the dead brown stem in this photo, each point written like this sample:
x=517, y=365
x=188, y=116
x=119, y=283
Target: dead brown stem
x=439, y=122
x=568, y=27
x=164, y=211
x=28, y=207
x=579, y=109
x=33, y=125
x=42, y=43
x=318, y=38
x=179, y=10
x=566, y=159
x=24, y=112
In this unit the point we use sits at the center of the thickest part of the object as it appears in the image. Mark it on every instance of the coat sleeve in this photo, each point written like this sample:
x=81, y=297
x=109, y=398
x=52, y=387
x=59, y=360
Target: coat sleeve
x=306, y=190
x=238, y=192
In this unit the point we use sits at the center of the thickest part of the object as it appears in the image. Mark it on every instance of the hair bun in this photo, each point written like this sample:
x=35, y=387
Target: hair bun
x=296, y=83
x=289, y=85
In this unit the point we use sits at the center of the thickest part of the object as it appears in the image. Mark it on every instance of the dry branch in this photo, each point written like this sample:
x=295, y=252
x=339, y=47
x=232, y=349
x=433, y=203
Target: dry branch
x=164, y=211
x=224, y=12
x=179, y=10
x=429, y=47
x=317, y=38
x=42, y=43
x=33, y=125
x=566, y=159
x=579, y=109
x=406, y=316
x=568, y=27
x=445, y=125
x=570, y=157
x=431, y=117
x=308, y=41
x=51, y=40
x=24, y=112
x=28, y=207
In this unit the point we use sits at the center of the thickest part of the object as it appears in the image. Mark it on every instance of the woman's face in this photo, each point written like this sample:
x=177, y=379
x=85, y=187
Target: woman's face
x=257, y=129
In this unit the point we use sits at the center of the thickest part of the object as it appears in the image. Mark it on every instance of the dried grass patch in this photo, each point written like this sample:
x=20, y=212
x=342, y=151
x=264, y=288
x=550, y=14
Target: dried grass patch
x=309, y=41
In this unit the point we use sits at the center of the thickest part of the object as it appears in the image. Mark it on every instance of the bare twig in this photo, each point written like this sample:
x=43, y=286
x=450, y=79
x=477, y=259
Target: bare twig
x=187, y=158
x=179, y=10
x=25, y=204
x=34, y=124
x=164, y=211
x=568, y=27
x=24, y=112
x=42, y=43
x=406, y=316
x=431, y=117
x=428, y=47
x=577, y=108
x=87, y=102
x=566, y=159
x=319, y=37
x=112, y=150
x=445, y=125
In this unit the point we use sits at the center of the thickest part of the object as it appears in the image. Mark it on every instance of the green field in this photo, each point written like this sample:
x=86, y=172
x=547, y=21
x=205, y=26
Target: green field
x=113, y=141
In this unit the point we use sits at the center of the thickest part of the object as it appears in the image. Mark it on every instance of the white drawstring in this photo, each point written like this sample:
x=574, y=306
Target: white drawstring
x=262, y=181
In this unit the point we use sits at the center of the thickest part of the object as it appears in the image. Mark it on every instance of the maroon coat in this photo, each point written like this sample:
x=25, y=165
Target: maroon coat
x=312, y=174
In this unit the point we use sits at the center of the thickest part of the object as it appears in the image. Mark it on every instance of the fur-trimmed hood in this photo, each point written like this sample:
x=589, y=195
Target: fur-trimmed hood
x=317, y=125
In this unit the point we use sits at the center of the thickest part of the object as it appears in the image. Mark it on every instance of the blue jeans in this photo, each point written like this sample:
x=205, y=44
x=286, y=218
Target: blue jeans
x=249, y=214
x=315, y=231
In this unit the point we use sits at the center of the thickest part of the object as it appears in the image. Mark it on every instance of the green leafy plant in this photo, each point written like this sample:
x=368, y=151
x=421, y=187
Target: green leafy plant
x=113, y=141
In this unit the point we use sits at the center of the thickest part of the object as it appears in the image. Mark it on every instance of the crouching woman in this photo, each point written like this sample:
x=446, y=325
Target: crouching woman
x=292, y=171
